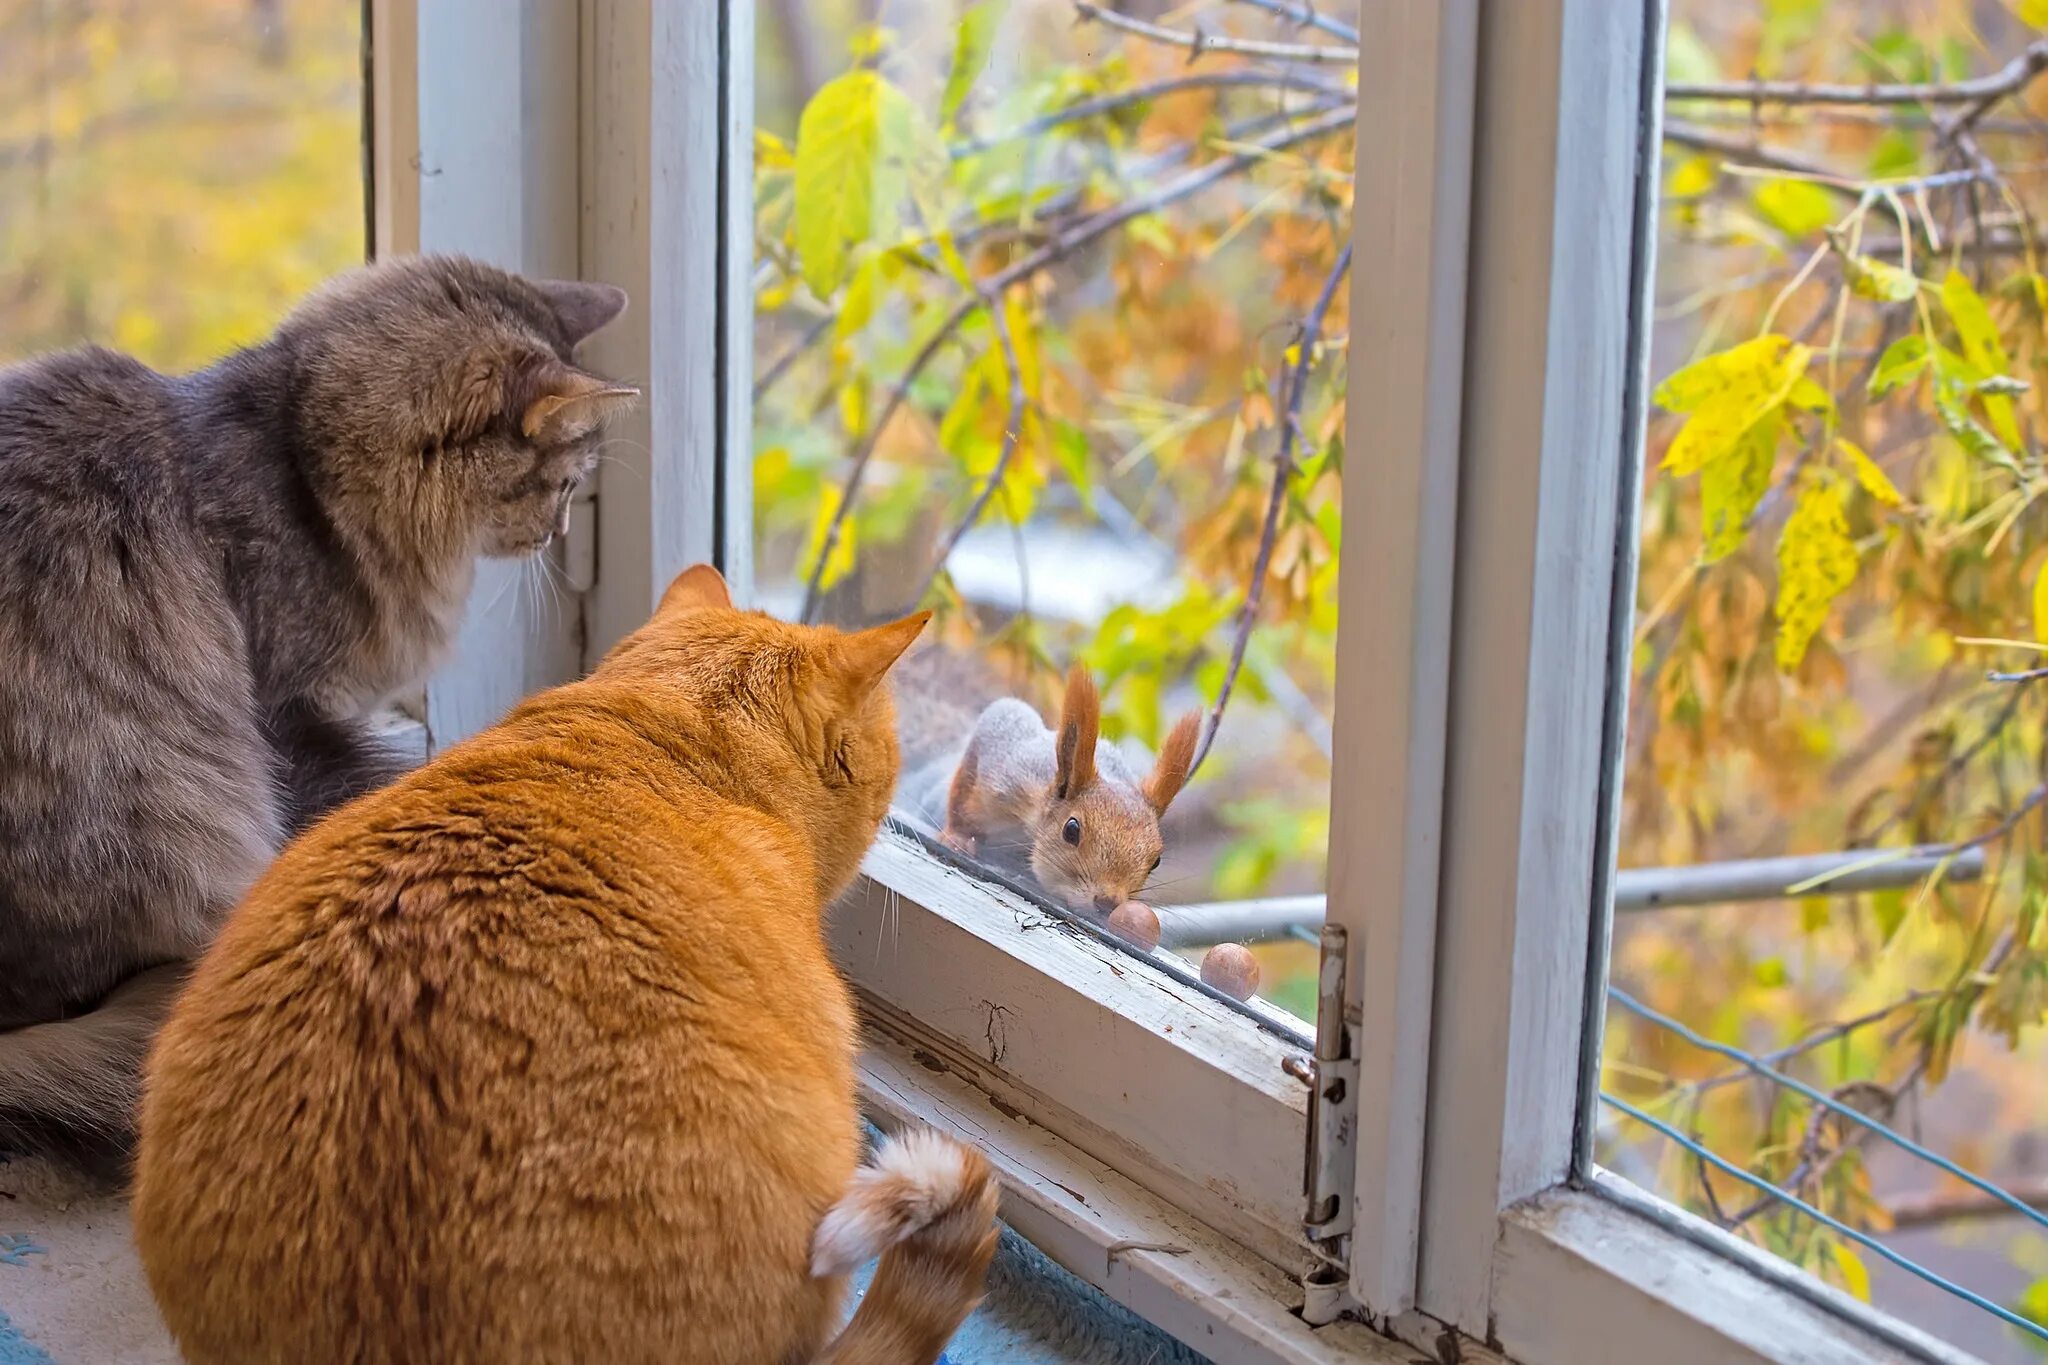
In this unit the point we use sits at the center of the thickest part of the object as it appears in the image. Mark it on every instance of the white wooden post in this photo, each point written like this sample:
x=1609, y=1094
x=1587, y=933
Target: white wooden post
x=1414, y=168
x=497, y=171
x=667, y=215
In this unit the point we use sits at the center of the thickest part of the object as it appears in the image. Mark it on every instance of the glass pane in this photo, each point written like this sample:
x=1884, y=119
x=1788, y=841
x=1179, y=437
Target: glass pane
x=1030, y=316
x=173, y=176
x=1842, y=568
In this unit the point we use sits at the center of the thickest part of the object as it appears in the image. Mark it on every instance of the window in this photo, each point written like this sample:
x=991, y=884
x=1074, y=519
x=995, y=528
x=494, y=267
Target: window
x=1033, y=317
x=1410, y=1141
x=1802, y=685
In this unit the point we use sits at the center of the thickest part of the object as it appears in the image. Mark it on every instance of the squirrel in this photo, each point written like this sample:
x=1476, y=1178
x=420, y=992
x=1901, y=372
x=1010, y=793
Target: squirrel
x=1076, y=810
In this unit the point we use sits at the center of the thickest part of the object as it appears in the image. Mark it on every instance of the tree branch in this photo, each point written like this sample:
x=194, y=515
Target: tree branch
x=1283, y=470
x=1303, y=14
x=1062, y=245
x=1746, y=152
x=1013, y=430
x=1201, y=43
x=1936, y=1206
x=1986, y=90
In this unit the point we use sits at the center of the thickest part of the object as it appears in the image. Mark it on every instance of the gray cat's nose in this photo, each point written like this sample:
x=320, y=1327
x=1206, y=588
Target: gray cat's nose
x=1106, y=903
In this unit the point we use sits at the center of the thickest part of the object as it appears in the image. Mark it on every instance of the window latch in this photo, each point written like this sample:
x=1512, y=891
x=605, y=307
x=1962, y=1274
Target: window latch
x=1333, y=1104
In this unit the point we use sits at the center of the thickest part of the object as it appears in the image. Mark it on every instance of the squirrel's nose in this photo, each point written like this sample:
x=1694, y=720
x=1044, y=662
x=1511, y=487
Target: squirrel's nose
x=1107, y=903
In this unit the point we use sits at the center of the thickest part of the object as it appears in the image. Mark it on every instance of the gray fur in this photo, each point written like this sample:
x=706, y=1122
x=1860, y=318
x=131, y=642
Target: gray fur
x=206, y=584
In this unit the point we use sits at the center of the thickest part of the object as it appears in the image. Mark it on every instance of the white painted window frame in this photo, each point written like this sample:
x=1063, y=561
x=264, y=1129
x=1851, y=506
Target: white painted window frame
x=1150, y=1139
x=1506, y=199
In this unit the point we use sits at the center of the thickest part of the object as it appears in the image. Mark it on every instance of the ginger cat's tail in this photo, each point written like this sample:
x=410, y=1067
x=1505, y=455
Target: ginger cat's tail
x=927, y=1206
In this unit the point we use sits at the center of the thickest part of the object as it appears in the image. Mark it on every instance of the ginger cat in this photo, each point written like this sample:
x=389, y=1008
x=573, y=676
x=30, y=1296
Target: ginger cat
x=538, y=1055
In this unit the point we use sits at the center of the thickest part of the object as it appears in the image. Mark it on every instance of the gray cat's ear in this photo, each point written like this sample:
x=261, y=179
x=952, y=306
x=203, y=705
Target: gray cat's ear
x=572, y=404
x=582, y=305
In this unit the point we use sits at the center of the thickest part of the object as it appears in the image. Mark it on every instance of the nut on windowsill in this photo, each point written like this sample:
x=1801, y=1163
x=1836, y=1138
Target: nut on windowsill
x=1135, y=923
x=1231, y=968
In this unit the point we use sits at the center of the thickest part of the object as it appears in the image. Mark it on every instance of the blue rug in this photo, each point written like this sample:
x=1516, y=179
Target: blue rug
x=15, y=1349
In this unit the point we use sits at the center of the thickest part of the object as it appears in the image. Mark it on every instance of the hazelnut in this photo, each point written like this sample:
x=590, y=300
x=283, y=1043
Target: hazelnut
x=1231, y=968
x=1136, y=924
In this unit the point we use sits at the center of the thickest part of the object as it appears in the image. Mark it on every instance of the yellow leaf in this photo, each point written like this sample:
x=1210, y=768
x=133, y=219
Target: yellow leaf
x=1730, y=489
x=1695, y=176
x=2041, y=602
x=1982, y=348
x=1727, y=395
x=1816, y=561
x=2033, y=12
x=1871, y=278
x=859, y=143
x=1855, y=1275
x=1797, y=208
x=1873, y=479
x=840, y=562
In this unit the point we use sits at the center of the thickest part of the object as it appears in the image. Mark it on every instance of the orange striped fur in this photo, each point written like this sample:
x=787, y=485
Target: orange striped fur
x=538, y=1055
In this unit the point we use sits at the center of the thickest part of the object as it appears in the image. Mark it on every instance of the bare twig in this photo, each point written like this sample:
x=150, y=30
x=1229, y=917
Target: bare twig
x=1987, y=89
x=1283, y=470
x=1201, y=43
x=1303, y=14
x=1747, y=152
x=1138, y=94
x=1062, y=245
x=1013, y=430
x=2031, y=675
x=789, y=357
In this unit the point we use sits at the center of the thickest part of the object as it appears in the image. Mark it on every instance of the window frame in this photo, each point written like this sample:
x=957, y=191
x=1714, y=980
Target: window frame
x=1151, y=1140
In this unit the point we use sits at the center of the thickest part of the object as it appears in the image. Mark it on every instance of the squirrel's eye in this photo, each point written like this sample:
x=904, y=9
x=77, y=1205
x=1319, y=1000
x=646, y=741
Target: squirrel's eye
x=1072, y=833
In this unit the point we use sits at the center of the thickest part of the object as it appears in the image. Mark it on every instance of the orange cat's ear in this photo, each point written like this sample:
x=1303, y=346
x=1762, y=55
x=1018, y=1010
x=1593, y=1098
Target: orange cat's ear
x=866, y=655
x=1170, y=773
x=1080, y=722
x=572, y=404
x=696, y=588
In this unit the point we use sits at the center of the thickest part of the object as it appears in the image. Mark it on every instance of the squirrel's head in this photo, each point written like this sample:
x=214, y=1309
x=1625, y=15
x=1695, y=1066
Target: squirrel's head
x=1096, y=842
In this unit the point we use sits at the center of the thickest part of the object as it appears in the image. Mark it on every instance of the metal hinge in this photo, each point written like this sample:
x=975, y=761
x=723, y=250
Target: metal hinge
x=1332, y=1107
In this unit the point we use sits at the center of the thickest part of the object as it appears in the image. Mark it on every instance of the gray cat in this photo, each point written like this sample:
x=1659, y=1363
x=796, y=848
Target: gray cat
x=206, y=584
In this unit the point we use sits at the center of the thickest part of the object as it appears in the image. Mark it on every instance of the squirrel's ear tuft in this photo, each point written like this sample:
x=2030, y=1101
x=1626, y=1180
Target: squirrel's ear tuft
x=1170, y=773
x=1080, y=721
x=867, y=655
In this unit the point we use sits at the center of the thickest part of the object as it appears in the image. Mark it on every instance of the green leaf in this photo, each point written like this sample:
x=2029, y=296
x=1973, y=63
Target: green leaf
x=857, y=146
x=1888, y=908
x=972, y=42
x=1871, y=278
x=1900, y=364
x=1797, y=208
x=1815, y=914
x=1731, y=488
x=1873, y=479
x=1816, y=561
x=1070, y=448
x=1972, y=436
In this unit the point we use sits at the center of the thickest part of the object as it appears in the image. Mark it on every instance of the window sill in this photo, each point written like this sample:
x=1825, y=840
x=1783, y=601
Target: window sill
x=1691, y=1291
x=1163, y=1265
x=1178, y=1093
